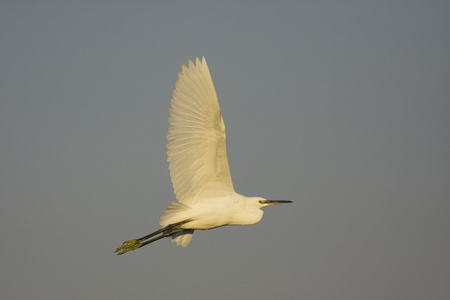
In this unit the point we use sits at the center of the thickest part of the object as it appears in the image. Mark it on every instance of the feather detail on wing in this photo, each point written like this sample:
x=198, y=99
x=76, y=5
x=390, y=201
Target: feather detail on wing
x=196, y=141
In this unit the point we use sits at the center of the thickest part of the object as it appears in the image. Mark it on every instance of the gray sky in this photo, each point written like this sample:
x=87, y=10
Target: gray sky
x=342, y=107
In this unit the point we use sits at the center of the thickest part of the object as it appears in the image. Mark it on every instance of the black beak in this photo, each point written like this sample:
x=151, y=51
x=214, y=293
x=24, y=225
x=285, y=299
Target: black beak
x=273, y=202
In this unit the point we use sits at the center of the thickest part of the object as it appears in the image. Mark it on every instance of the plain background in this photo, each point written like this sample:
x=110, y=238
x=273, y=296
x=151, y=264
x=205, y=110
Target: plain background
x=341, y=106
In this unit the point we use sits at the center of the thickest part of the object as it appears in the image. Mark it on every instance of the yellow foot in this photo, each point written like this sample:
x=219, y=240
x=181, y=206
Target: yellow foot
x=128, y=246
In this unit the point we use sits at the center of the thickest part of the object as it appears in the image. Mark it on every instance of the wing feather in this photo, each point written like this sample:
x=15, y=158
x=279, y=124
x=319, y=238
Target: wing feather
x=196, y=141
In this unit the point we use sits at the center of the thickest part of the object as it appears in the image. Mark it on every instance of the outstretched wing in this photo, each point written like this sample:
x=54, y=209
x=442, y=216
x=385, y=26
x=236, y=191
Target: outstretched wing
x=196, y=142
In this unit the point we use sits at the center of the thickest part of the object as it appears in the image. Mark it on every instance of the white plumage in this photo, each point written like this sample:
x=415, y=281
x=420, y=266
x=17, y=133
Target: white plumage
x=196, y=142
x=198, y=163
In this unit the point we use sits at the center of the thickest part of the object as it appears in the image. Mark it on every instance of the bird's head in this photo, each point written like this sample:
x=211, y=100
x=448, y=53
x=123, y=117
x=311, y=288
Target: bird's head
x=253, y=212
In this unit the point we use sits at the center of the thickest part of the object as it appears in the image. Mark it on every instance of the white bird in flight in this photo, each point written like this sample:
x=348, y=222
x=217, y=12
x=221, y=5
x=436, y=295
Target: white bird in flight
x=198, y=164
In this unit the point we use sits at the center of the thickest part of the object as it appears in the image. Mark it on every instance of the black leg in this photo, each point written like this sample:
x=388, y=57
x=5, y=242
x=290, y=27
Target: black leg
x=170, y=233
x=137, y=243
x=168, y=227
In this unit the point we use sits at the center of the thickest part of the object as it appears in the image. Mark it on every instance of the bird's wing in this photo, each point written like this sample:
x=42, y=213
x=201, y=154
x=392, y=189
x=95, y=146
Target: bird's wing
x=196, y=142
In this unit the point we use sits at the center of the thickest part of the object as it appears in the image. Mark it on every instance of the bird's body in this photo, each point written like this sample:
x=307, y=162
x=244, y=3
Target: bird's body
x=215, y=212
x=198, y=164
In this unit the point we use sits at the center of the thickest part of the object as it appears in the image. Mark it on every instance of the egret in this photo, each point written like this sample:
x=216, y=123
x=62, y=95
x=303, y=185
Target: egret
x=198, y=164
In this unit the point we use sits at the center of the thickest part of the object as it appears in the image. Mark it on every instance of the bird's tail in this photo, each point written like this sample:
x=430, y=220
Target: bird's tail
x=183, y=238
x=176, y=212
